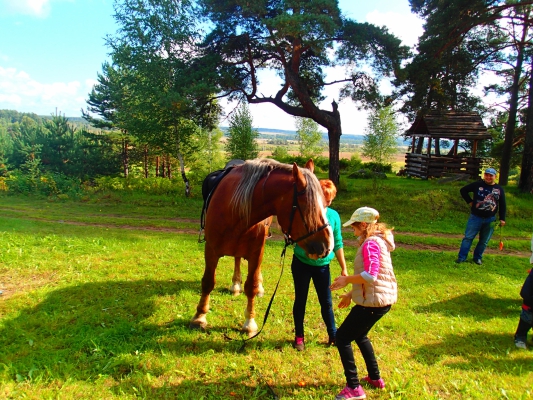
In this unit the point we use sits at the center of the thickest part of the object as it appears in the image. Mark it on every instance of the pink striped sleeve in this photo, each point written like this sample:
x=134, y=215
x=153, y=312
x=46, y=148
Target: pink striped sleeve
x=371, y=253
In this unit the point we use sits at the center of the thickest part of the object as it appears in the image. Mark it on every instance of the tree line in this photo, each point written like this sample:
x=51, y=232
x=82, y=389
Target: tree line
x=36, y=146
x=172, y=62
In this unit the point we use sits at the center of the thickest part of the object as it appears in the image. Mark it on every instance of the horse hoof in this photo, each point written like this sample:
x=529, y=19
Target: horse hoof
x=198, y=323
x=235, y=289
x=250, y=327
x=199, y=327
x=251, y=333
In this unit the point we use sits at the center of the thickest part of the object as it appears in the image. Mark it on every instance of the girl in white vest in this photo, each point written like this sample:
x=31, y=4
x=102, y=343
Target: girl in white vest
x=374, y=290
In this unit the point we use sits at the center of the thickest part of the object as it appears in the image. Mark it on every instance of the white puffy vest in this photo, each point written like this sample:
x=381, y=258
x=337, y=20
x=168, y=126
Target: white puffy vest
x=384, y=290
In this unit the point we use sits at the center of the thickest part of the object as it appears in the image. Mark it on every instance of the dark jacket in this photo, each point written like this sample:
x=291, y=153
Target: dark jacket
x=527, y=290
x=487, y=201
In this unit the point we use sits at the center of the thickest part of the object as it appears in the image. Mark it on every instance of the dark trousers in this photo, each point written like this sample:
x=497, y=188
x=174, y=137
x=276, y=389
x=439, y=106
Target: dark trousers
x=524, y=325
x=302, y=274
x=355, y=328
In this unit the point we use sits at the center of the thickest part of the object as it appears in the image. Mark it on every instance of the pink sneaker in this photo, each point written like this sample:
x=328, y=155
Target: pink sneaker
x=378, y=383
x=351, y=394
x=299, y=343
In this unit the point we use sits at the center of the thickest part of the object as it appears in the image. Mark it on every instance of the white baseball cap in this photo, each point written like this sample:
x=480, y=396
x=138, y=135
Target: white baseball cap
x=363, y=214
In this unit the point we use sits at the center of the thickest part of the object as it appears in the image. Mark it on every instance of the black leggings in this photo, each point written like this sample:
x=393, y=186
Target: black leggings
x=355, y=328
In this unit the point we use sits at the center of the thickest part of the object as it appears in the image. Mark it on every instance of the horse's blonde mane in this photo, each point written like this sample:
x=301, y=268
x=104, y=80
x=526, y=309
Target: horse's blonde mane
x=253, y=170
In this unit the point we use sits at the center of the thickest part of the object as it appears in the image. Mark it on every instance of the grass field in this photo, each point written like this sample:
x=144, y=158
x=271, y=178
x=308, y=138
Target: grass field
x=97, y=297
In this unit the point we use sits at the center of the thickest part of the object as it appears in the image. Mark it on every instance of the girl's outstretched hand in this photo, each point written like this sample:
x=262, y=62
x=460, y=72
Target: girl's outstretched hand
x=346, y=299
x=339, y=283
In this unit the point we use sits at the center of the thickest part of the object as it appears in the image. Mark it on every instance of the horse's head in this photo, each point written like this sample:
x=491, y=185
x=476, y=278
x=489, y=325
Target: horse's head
x=304, y=221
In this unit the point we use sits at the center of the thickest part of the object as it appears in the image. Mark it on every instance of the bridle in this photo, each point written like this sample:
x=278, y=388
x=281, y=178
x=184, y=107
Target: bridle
x=296, y=206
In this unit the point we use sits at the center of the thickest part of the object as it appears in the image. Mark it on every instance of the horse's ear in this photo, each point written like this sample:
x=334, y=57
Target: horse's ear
x=299, y=178
x=310, y=165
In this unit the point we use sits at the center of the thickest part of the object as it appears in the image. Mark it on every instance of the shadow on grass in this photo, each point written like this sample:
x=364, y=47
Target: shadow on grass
x=244, y=386
x=103, y=328
x=476, y=351
x=476, y=305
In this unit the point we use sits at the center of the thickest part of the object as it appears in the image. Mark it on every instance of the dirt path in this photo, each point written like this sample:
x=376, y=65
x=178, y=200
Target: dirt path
x=453, y=246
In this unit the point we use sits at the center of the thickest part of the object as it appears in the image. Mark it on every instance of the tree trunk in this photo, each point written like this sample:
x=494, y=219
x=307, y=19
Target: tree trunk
x=182, y=165
x=334, y=136
x=183, y=176
x=125, y=157
x=169, y=167
x=146, y=161
x=157, y=166
x=505, y=163
x=526, y=175
x=163, y=166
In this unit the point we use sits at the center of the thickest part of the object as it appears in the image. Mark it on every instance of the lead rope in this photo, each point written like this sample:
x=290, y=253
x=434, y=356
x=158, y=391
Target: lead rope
x=267, y=312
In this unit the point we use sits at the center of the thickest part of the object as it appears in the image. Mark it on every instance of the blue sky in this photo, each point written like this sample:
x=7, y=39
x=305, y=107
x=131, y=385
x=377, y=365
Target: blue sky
x=52, y=50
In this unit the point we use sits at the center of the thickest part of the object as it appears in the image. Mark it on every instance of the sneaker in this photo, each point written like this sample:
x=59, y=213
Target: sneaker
x=378, y=383
x=331, y=341
x=520, y=345
x=299, y=343
x=351, y=394
x=478, y=262
x=459, y=261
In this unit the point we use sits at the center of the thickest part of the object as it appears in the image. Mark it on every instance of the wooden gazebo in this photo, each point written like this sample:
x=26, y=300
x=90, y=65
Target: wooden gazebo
x=425, y=159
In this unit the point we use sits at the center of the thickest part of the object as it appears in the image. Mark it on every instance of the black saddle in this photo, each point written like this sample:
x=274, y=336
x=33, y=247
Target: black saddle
x=209, y=185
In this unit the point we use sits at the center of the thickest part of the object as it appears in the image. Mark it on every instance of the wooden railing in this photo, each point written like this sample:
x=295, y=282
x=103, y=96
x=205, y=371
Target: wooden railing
x=424, y=166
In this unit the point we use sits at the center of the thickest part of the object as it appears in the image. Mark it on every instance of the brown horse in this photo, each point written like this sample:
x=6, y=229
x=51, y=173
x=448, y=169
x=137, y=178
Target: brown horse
x=234, y=225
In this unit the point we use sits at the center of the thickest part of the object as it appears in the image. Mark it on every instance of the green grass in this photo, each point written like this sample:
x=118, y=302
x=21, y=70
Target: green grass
x=97, y=299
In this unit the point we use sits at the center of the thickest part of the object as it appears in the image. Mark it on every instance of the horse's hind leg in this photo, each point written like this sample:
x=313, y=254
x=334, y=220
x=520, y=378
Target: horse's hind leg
x=199, y=321
x=236, y=280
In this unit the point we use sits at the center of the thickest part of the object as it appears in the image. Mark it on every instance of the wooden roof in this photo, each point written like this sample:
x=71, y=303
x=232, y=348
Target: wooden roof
x=449, y=125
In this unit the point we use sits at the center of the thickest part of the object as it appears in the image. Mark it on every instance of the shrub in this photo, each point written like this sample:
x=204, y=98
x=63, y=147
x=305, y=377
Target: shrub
x=378, y=167
x=353, y=164
x=174, y=186
x=48, y=184
x=367, y=174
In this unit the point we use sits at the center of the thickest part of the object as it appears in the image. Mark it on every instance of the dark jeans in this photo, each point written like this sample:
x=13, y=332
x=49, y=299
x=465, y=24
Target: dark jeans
x=302, y=274
x=475, y=225
x=524, y=325
x=355, y=328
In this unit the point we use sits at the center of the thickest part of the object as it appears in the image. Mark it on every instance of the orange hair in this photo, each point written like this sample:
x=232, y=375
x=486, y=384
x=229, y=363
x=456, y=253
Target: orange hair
x=329, y=189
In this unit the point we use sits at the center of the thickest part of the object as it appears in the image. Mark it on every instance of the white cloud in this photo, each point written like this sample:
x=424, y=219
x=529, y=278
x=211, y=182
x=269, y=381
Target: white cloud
x=38, y=8
x=20, y=92
x=408, y=27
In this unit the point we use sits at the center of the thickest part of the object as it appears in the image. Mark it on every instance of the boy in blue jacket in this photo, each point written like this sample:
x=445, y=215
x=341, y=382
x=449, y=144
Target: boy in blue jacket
x=526, y=316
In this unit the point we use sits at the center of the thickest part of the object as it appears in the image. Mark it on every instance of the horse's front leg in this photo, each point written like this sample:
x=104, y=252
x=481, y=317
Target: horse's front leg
x=251, y=288
x=260, y=288
x=236, y=280
x=199, y=321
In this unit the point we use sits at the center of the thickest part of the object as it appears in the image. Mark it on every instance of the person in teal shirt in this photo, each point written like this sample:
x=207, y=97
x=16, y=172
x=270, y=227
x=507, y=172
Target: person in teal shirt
x=305, y=269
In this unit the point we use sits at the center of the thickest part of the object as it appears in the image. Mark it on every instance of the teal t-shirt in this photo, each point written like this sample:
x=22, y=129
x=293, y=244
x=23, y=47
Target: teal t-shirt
x=335, y=222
